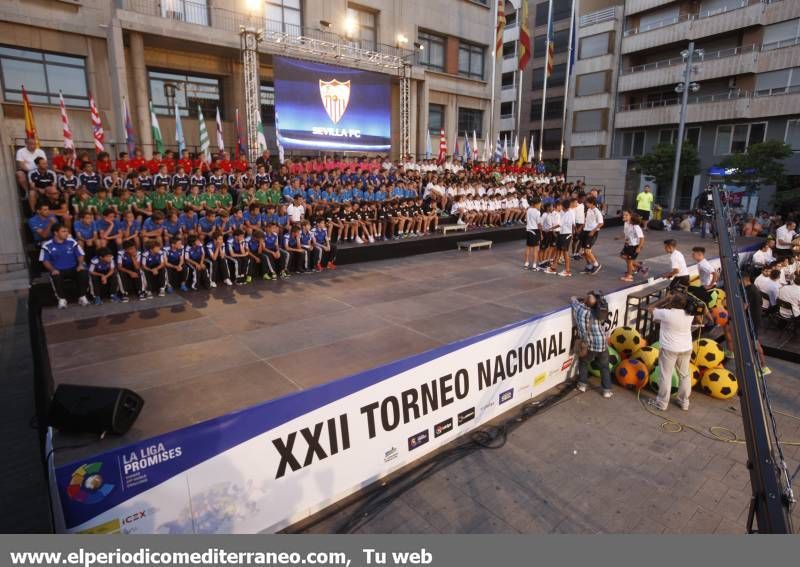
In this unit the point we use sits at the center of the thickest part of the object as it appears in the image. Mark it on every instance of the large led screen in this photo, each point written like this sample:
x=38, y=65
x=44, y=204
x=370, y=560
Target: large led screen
x=324, y=107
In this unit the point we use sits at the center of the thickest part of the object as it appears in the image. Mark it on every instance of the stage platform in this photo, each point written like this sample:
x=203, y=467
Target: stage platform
x=200, y=355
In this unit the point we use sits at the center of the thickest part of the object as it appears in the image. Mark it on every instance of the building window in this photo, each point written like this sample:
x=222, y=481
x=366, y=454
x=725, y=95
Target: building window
x=560, y=43
x=435, y=117
x=44, y=75
x=511, y=19
x=507, y=80
x=592, y=83
x=553, y=110
x=561, y=11
x=778, y=82
x=551, y=139
x=782, y=34
x=367, y=34
x=588, y=152
x=690, y=134
x=595, y=45
x=506, y=109
x=792, y=136
x=189, y=91
x=267, y=96
x=469, y=120
x=509, y=49
x=470, y=60
x=632, y=144
x=284, y=16
x=556, y=79
x=432, y=53
x=736, y=138
x=189, y=11
x=590, y=120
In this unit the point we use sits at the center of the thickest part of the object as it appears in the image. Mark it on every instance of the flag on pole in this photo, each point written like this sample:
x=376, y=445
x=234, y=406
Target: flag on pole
x=30, y=123
x=505, y=147
x=262, y=137
x=498, y=150
x=220, y=141
x=487, y=149
x=429, y=147
x=456, y=150
x=551, y=46
x=516, y=147
x=474, y=145
x=129, y=138
x=68, y=143
x=467, y=148
x=179, y=139
x=158, y=141
x=442, y=146
x=501, y=26
x=523, y=156
x=530, y=150
x=524, y=48
x=97, y=126
x=205, y=143
x=241, y=147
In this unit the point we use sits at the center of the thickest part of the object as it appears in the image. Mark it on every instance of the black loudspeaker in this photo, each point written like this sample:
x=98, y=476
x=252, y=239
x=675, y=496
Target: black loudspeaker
x=93, y=409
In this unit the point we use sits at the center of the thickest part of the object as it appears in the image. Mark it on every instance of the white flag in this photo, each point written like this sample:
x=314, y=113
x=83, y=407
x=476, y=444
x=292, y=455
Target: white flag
x=220, y=142
x=530, y=150
x=474, y=145
x=505, y=147
x=516, y=147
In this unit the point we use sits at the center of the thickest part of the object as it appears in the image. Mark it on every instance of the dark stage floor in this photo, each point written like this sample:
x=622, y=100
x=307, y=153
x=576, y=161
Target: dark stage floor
x=201, y=355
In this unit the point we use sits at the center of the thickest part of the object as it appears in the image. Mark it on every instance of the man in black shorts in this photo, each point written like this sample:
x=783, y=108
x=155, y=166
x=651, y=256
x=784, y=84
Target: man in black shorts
x=532, y=235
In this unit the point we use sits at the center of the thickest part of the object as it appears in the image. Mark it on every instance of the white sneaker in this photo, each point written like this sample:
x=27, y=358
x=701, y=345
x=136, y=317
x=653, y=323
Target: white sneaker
x=228, y=281
x=460, y=222
x=162, y=292
x=212, y=284
x=607, y=393
x=371, y=240
x=62, y=303
x=359, y=240
x=581, y=387
x=82, y=301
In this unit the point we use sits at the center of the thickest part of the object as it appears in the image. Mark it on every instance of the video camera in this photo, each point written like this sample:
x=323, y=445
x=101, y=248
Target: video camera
x=693, y=306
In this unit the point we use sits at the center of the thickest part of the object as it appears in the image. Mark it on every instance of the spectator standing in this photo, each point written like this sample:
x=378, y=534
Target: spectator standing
x=590, y=316
x=675, y=336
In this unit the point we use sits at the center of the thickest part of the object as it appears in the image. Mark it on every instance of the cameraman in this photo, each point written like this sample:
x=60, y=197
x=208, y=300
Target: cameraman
x=705, y=204
x=675, y=336
x=590, y=315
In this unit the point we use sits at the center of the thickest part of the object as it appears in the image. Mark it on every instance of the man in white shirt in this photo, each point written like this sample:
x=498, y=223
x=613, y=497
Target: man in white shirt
x=679, y=272
x=784, y=236
x=26, y=162
x=769, y=284
x=763, y=256
x=791, y=294
x=532, y=236
x=296, y=210
x=675, y=336
x=593, y=222
x=565, y=231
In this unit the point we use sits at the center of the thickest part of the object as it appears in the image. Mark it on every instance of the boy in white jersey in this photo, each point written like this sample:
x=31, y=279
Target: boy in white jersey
x=532, y=236
x=634, y=240
x=564, y=243
x=593, y=222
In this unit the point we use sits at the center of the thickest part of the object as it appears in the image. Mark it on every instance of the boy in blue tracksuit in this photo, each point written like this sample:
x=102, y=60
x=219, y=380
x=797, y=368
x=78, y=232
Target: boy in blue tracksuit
x=154, y=265
x=297, y=254
x=103, y=276
x=176, y=268
x=326, y=256
x=129, y=272
x=238, y=256
x=195, y=257
x=277, y=257
x=216, y=259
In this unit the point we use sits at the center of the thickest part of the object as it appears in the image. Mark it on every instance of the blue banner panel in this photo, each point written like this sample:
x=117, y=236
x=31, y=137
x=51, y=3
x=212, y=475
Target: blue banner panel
x=324, y=107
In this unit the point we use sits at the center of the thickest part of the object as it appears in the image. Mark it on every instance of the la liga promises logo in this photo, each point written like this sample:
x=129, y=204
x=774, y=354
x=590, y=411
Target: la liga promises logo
x=87, y=485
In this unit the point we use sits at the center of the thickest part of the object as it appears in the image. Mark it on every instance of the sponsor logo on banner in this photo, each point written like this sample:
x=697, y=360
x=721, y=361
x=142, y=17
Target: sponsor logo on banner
x=539, y=378
x=466, y=415
x=87, y=485
x=567, y=363
x=505, y=396
x=418, y=440
x=443, y=427
x=335, y=96
x=390, y=455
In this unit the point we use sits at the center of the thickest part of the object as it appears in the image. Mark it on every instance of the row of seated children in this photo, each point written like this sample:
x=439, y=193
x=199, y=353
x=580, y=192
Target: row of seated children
x=489, y=211
x=186, y=262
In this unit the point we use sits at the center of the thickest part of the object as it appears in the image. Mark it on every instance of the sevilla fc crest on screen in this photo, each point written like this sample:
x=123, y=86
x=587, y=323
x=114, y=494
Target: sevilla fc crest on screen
x=327, y=107
x=335, y=96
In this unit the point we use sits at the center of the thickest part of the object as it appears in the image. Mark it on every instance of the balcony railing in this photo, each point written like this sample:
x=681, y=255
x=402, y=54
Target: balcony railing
x=791, y=89
x=735, y=94
x=695, y=16
x=598, y=17
x=707, y=56
x=199, y=13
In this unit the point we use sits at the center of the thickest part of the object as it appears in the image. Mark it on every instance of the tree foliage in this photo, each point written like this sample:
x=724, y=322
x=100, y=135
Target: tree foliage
x=660, y=163
x=761, y=164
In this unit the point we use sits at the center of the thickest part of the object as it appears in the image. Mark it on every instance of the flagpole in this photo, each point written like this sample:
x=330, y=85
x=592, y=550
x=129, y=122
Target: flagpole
x=519, y=81
x=546, y=61
x=570, y=55
x=494, y=72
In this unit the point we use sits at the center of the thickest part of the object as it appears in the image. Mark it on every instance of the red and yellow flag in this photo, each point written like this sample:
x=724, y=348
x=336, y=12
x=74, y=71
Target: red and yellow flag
x=524, y=51
x=30, y=124
x=501, y=25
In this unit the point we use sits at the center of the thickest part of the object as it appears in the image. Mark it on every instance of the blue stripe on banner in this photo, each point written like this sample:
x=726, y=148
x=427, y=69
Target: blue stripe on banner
x=81, y=501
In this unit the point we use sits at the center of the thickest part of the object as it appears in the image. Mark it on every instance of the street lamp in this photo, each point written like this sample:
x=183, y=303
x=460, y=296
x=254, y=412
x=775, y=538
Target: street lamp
x=689, y=55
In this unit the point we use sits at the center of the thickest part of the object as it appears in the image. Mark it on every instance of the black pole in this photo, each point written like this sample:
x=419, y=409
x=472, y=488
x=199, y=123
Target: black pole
x=771, y=499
